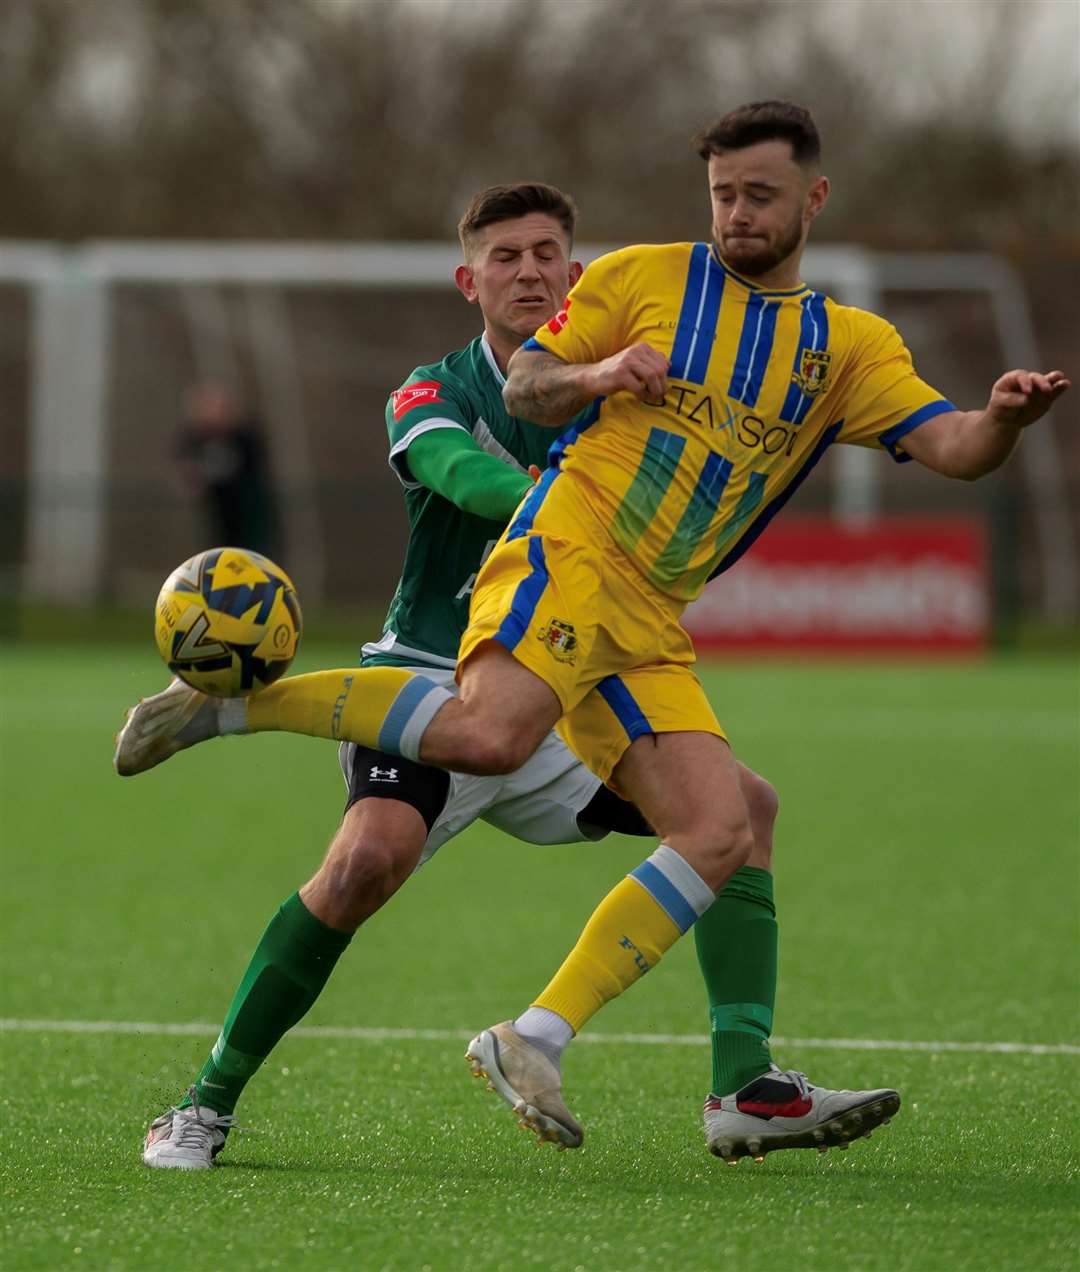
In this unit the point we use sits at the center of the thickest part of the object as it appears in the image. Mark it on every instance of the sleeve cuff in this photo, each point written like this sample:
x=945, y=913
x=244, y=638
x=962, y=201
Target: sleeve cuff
x=892, y=436
x=397, y=457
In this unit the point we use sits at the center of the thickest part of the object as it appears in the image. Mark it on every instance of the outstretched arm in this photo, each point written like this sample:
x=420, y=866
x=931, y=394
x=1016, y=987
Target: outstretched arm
x=449, y=462
x=548, y=391
x=970, y=444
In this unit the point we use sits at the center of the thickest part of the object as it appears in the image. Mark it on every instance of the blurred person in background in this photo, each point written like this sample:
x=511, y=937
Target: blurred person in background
x=222, y=460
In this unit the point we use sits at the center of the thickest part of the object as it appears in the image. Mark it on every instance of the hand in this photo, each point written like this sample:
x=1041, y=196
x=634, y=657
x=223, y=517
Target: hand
x=639, y=369
x=1020, y=398
x=534, y=472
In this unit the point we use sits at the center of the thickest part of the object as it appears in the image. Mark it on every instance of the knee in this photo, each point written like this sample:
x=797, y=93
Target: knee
x=354, y=880
x=762, y=802
x=736, y=847
x=716, y=851
x=359, y=865
x=359, y=875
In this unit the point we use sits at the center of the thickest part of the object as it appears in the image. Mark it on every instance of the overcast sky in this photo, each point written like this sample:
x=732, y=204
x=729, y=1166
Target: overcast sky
x=953, y=39
x=941, y=42
x=926, y=55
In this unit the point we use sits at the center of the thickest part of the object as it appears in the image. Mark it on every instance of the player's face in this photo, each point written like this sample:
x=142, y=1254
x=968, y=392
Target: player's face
x=519, y=275
x=762, y=205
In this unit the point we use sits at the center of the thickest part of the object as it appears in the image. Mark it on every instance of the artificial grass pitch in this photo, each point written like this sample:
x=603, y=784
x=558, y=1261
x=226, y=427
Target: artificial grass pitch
x=926, y=866
x=382, y=1154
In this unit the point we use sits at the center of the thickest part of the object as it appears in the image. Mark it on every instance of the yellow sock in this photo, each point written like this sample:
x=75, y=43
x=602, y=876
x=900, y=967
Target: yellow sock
x=387, y=708
x=627, y=934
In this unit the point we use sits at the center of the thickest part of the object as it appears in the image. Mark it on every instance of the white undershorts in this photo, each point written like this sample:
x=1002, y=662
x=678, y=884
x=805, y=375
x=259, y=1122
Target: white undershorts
x=538, y=803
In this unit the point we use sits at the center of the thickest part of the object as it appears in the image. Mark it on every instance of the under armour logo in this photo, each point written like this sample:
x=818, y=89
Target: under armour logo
x=383, y=775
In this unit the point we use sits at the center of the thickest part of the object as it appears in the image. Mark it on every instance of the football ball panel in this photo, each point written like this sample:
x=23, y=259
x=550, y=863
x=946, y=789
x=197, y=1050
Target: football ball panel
x=228, y=622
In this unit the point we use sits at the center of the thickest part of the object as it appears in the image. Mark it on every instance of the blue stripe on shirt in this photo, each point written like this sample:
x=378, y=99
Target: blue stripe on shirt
x=693, y=301
x=813, y=334
x=756, y=529
x=702, y=345
x=755, y=349
x=530, y=506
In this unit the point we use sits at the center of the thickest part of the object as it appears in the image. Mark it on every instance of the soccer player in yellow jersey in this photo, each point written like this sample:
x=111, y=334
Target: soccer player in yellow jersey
x=718, y=379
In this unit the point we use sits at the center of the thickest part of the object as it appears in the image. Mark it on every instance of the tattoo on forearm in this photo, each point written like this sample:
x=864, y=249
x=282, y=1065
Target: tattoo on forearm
x=543, y=389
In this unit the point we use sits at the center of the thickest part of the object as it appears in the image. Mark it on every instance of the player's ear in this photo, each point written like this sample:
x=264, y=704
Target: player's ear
x=576, y=271
x=466, y=283
x=816, y=196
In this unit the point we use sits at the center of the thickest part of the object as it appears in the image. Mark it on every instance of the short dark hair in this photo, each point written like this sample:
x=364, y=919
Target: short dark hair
x=763, y=121
x=507, y=202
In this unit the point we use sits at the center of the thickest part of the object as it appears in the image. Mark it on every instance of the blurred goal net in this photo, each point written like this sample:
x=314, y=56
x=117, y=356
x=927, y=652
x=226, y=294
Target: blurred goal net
x=104, y=341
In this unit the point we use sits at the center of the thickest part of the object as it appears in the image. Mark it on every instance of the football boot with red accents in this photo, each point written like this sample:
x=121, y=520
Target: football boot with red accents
x=781, y=1109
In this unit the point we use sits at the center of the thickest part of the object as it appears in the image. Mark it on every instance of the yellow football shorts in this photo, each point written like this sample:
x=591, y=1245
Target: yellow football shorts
x=610, y=646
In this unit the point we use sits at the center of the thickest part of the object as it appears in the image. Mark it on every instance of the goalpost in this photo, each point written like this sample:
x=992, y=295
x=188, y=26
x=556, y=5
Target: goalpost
x=70, y=356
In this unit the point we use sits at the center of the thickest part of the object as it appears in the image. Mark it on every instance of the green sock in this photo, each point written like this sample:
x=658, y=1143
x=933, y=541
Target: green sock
x=291, y=964
x=736, y=941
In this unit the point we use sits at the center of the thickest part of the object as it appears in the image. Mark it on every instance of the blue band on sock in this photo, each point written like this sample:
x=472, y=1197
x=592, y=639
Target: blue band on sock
x=409, y=714
x=666, y=895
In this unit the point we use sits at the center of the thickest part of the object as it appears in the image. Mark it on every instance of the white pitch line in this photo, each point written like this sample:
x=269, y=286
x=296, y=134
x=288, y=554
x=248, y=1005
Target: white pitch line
x=369, y=1034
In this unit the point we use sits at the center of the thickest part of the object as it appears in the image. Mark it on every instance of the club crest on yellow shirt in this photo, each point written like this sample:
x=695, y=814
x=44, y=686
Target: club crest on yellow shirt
x=813, y=371
x=560, y=640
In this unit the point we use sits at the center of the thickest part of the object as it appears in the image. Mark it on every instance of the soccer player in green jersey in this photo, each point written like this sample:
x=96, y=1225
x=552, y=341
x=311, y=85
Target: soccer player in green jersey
x=464, y=464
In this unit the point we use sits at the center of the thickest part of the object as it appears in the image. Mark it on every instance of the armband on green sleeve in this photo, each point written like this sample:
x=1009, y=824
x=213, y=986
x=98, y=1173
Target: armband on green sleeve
x=449, y=462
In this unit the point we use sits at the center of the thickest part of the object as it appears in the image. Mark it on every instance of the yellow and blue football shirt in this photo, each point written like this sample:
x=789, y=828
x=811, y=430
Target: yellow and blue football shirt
x=761, y=383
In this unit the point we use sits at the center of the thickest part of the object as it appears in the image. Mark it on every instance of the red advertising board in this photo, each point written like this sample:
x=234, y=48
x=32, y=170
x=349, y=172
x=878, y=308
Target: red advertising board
x=811, y=585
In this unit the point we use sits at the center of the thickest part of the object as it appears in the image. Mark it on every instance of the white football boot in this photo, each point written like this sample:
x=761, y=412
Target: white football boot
x=186, y=1139
x=528, y=1081
x=158, y=727
x=782, y=1110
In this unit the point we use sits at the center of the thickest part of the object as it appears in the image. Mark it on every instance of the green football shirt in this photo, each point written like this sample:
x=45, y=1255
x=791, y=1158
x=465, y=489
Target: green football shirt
x=446, y=545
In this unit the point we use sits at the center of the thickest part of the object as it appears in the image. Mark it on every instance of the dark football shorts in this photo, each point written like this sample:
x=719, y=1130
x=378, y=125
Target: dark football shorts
x=376, y=775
